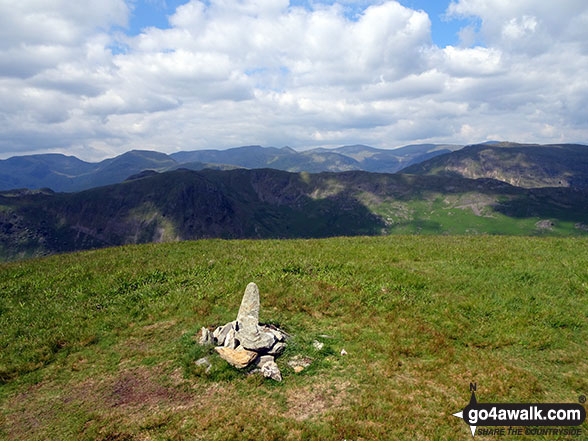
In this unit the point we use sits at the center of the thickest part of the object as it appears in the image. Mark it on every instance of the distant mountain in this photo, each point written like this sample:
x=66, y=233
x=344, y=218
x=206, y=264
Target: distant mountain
x=68, y=173
x=267, y=203
x=523, y=165
x=346, y=158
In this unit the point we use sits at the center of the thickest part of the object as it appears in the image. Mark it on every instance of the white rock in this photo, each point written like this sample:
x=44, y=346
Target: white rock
x=271, y=370
x=205, y=337
x=343, y=352
x=262, y=360
x=203, y=362
x=277, y=349
x=318, y=345
x=230, y=340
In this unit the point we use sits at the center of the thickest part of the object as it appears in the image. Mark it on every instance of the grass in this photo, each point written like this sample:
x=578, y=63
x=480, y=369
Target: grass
x=101, y=344
x=467, y=213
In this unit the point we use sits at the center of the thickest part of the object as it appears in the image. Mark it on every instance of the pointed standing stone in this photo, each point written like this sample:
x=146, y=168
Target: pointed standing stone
x=249, y=310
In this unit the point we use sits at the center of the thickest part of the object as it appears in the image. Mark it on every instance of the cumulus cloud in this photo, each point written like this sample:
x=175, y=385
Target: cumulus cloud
x=274, y=72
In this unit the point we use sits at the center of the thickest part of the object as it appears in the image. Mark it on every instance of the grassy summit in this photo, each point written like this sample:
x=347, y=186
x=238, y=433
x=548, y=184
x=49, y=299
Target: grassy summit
x=99, y=344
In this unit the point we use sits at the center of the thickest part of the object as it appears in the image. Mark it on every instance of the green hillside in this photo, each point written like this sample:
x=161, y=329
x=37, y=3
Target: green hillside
x=99, y=345
x=266, y=203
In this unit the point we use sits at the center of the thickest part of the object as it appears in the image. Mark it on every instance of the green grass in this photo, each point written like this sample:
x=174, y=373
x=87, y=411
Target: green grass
x=466, y=213
x=100, y=344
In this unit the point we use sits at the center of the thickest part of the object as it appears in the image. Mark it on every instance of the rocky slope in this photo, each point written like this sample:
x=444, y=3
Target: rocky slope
x=522, y=165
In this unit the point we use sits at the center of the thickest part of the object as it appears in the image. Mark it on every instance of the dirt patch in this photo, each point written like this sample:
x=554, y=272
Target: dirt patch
x=159, y=325
x=136, y=388
x=315, y=400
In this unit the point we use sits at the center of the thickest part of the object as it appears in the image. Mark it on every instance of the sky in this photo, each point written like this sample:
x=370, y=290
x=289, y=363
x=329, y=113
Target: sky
x=96, y=79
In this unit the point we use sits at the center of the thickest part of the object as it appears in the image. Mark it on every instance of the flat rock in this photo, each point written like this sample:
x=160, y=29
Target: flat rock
x=277, y=349
x=238, y=358
x=253, y=338
x=263, y=360
x=299, y=361
x=279, y=335
x=271, y=370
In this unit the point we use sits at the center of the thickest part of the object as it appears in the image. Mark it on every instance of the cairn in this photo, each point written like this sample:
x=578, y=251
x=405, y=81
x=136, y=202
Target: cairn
x=245, y=342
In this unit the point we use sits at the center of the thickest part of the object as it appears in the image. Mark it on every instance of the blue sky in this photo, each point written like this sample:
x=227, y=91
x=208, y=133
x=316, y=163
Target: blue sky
x=98, y=78
x=444, y=31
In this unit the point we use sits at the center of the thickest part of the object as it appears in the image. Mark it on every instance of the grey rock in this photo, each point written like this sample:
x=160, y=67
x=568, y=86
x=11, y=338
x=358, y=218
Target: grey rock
x=277, y=349
x=204, y=362
x=271, y=370
x=299, y=361
x=223, y=332
x=254, y=339
x=206, y=337
x=249, y=309
x=216, y=333
x=263, y=360
x=230, y=340
x=279, y=335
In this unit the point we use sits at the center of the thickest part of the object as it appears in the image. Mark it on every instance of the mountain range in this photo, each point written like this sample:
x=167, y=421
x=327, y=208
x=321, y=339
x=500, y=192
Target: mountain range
x=492, y=188
x=268, y=203
x=67, y=173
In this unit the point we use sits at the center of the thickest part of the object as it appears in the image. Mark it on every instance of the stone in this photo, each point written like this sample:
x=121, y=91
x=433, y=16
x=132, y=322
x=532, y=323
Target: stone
x=223, y=332
x=299, y=361
x=277, y=349
x=263, y=360
x=343, y=352
x=204, y=362
x=240, y=358
x=249, y=309
x=298, y=369
x=279, y=335
x=230, y=340
x=205, y=337
x=318, y=345
x=216, y=333
x=271, y=370
x=254, y=339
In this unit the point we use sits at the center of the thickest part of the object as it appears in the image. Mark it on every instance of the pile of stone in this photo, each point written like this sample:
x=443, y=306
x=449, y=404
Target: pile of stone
x=245, y=342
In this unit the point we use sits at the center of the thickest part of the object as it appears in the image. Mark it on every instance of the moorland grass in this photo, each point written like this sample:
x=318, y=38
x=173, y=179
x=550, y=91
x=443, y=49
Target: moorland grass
x=101, y=344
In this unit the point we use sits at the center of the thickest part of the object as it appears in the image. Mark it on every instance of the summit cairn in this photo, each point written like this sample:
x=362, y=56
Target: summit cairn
x=245, y=342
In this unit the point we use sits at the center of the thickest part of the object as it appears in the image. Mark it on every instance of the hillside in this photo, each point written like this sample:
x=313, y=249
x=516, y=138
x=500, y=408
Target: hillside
x=522, y=165
x=68, y=173
x=100, y=345
x=266, y=203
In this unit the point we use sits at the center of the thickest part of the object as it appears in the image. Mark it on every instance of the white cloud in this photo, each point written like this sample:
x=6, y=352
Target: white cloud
x=233, y=72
